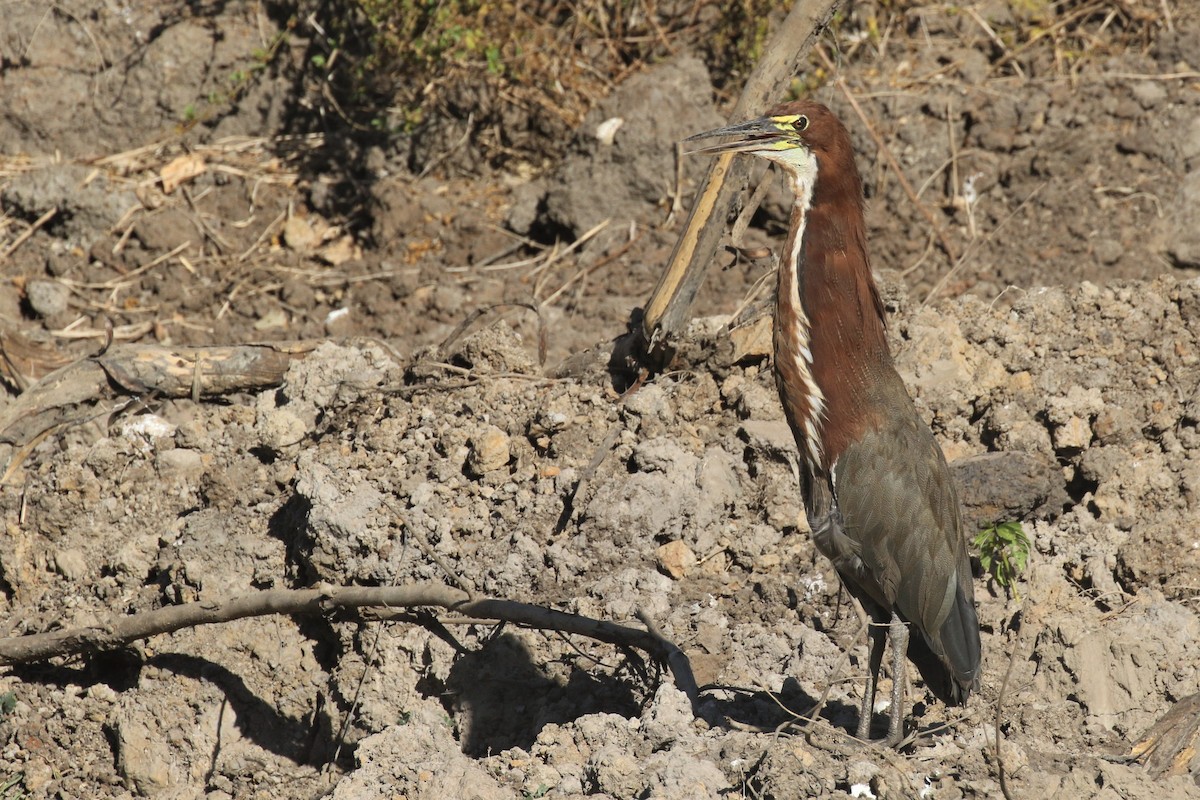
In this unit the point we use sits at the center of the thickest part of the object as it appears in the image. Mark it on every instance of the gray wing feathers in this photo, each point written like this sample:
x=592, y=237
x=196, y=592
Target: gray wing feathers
x=899, y=518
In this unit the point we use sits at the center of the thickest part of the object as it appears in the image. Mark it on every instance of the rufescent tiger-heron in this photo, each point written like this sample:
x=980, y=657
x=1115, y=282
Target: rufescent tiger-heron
x=879, y=497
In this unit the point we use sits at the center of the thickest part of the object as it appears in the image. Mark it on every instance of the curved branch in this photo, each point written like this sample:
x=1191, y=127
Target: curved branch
x=324, y=599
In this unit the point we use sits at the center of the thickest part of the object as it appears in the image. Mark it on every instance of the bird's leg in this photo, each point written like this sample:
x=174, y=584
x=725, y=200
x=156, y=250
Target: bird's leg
x=876, y=639
x=898, y=633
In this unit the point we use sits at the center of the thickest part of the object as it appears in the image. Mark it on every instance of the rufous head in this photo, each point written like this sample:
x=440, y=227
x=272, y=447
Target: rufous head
x=802, y=136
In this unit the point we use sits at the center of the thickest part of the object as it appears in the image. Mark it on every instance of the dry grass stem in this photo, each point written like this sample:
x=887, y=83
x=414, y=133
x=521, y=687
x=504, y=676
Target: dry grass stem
x=28, y=232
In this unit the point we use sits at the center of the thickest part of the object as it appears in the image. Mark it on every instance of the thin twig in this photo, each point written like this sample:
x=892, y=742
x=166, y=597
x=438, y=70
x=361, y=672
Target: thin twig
x=362, y=679
x=676, y=660
x=127, y=278
x=751, y=297
x=208, y=231
x=815, y=713
x=738, y=232
x=999, y=710
x=611, y=257
x=996, y=40
x=556, y=254
x=419, y=537
x=28, y=232
x=262, y=236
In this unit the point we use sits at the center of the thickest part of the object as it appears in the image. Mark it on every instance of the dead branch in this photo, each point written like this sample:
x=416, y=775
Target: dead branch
x=121, y=631
x=73, y=393
x=200, y=371
x=669, y=307
x=1169, y=748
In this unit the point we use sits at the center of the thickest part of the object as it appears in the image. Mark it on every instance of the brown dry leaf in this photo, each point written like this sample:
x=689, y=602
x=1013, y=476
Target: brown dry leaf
x=273, y=319
x=340, y=251
x=753, y=339
x=23, y=361
x=181, y=170
x=299, y=234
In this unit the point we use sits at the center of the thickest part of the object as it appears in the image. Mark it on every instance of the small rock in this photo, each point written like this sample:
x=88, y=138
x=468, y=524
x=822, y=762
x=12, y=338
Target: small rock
x=1189, y=144
x=675, y=559
x=61, y=261
x=143, y=758
x=187, y=465
x=47, y=298
x=771, y=437
x=523, y=212
x=1108, y=251
x=1074, y=434
x=860, y=775
x=130, y=559
x=88, y=204
x=273, y=319
x=650, y=401
x=71, y=564
x=148, y=427
x=165, y=230
x=669, y=714
x=1149, y=93
x=340, y=322
x=102, y=693
x=1183, y=234
x=1008, y=485
x=606, y=131
x=973, y=66
x=280, y=429
x=1114, y=424
x=38, y=775
x=489, y=451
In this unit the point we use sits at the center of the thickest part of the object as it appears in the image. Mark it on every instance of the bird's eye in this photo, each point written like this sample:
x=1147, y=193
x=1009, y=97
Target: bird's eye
x=801, y=124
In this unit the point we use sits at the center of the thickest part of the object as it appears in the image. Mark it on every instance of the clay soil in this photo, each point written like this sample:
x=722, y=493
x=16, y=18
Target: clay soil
x=172, y=173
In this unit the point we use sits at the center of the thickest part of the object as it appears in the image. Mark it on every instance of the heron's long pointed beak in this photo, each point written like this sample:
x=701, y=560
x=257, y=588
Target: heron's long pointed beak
x=757, y=134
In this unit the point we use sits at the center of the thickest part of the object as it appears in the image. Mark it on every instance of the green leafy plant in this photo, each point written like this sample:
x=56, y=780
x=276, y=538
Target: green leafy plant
x=1003, y=552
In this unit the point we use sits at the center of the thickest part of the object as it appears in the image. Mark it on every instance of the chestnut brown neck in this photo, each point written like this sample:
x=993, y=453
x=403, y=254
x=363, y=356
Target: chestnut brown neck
x=833, y=366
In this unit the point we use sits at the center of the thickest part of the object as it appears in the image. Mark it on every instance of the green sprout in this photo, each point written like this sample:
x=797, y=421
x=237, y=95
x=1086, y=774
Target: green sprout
x=1003, y=552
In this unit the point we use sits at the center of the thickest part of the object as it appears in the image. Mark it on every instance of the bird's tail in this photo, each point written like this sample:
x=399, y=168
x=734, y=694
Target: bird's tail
x=948, y=660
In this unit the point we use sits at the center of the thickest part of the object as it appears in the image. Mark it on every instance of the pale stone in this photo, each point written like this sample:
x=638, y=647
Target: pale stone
x=490, y=451
x=675, y=558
